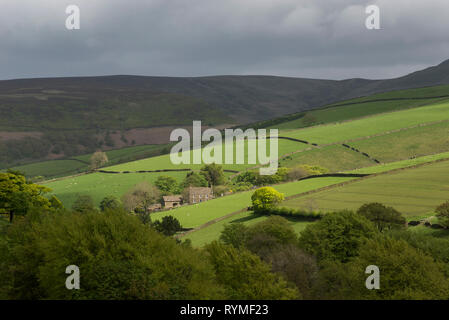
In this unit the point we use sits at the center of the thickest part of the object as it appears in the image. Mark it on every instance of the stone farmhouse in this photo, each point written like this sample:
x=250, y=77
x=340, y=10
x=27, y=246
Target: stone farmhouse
x=172, y=201
x=200, y=194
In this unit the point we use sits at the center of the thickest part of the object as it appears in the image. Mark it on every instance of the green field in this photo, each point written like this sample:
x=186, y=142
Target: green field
x=164, y=161
x=335, y=158
x=402, y=164
x=65, y=167
x=212, y=232
x=195, y=215
x=362, y=107
x=372, y=125
x=414, y=191
x=408, y=143
x=100, y=185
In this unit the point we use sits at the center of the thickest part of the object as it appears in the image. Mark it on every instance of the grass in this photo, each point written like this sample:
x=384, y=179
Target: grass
x=405, y=144
x=164, y=161
x=437, y=233
x=212, y=232
x=372, y=125
x=361, y=107
x=195, y=215
x=65, y=167
x=401, y=164
x=413, y=192
x=100, y=185
x=335, y=158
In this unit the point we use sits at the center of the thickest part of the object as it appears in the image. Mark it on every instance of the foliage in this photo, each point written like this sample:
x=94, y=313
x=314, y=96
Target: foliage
x=266, y=198
x=118, y=258
x=167, y=185
x=337, y=236
x=195, y=180
x=443, y=214
x=405, y=273
x=83, y=204
x=109, y=202
x=17, y=196
x=98, y=159
x=140, y=197
x=383, y=217
x=245, y=276
x=168, y=226
x=213, y=173
x=234, y=234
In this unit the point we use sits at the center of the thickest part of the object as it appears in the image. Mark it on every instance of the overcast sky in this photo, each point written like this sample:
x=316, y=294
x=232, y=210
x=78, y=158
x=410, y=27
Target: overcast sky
x=300, y=38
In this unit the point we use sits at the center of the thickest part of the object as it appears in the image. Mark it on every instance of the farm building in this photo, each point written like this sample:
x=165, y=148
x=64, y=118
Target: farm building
x=155, y=207
x=172, y=201
x=197, y=194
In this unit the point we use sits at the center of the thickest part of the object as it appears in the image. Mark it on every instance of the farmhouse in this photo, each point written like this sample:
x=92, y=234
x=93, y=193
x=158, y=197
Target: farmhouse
x=197, y=195
x=172, y=201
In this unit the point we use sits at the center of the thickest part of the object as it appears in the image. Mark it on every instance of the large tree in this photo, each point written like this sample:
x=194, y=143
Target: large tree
x=98, y=159
x=337, y=236
x=266, y=198
x=385, y=218
x=214, y=174
x=139, y=198
x=17, y=196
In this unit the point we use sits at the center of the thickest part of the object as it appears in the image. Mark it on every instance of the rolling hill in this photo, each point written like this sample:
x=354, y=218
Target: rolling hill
x=50, y=118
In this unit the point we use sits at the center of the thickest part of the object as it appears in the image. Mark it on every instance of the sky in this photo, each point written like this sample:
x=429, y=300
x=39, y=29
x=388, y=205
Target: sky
x=324, y=39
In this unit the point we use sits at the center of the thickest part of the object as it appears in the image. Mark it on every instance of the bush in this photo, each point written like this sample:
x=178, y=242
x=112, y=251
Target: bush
x=118, y=258
x=245, y=276
x=384, y=218
x=265, y=198
x=337, y=236
x=443, y=214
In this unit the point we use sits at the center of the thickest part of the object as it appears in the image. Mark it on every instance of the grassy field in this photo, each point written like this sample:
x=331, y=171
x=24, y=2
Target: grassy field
x=195, y=215
x=415, y=191
x=164, y=162
x=401, y=164
x=59, y=168
x=372, y=125
x=100, y=185
x=212, y=232
x=360, y=107
x=335, y=158
x=405, y=144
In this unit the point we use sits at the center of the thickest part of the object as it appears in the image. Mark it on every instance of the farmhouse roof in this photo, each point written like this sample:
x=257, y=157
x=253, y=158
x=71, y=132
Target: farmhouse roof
x=200, y=190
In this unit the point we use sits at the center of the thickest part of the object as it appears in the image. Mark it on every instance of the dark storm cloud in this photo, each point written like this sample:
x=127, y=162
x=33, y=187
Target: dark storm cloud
x=304, y=38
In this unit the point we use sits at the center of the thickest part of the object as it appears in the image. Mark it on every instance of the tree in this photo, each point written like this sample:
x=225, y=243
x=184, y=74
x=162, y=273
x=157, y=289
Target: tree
x=245, y=276
x=337, y=236
x=213, y=173
x=139, y=198
x=109, y=202
x=98, y=159
x=119, y=258
x=167, y=185
x=383, y=217
x=194, y=179
x=405, y=274
x=169, y=226
x=265, y=198
x=234, y=234
x=17, y=196
x=83, y=204
x=443, y=214
x=295, y=266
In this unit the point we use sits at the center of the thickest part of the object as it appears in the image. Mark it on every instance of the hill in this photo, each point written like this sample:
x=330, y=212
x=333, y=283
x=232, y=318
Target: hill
x=50, y=118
